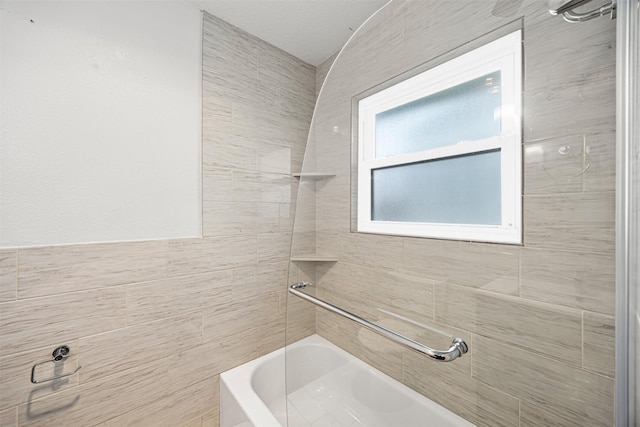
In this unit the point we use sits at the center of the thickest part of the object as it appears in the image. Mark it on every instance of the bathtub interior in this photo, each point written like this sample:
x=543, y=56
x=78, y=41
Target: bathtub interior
x=325, y=386
x=255, y=393
x=305, y=363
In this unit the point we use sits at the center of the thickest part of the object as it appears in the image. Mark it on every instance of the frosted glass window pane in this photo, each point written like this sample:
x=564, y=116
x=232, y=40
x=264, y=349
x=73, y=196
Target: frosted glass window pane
x=454, y=190
x=467, y=112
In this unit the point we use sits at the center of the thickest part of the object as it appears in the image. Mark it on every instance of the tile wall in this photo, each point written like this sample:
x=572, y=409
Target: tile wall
x=153, y=323
x=538, y=317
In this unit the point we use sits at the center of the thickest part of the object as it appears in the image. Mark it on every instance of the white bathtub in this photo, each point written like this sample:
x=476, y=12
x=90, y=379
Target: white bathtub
x=326, y=387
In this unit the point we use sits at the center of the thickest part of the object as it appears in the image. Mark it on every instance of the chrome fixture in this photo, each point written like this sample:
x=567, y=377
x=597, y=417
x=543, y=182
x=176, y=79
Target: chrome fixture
x=566, y=9
x=58, y=355
x=457, y=349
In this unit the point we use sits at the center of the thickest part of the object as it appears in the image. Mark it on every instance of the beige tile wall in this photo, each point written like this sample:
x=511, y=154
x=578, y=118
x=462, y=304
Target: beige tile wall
x=153, y=323
x=538, y=317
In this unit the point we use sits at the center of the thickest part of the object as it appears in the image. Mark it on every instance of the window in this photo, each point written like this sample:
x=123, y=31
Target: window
x=439, y=154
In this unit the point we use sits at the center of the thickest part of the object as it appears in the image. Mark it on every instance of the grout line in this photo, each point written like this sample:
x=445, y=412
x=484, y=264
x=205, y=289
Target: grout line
x=582, y=339
x=17, y=274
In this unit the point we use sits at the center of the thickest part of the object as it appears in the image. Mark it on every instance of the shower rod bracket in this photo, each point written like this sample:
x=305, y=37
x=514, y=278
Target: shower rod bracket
x=567, y=10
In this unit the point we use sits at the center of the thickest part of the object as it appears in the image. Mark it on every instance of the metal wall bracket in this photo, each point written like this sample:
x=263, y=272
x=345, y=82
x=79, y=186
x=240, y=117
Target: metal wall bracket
x=567, y=10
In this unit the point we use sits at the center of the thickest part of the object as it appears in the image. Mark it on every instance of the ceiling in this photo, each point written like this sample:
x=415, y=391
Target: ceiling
x=311, y=30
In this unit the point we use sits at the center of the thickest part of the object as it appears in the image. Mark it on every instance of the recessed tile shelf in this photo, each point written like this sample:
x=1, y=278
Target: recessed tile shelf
x=314, y=258
x=313, y=175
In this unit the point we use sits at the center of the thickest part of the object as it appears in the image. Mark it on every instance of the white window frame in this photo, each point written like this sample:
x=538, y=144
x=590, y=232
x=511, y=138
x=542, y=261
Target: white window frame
x=503, y=54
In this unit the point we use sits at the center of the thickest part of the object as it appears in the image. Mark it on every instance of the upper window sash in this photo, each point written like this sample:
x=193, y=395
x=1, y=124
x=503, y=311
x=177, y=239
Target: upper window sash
x=499, y=55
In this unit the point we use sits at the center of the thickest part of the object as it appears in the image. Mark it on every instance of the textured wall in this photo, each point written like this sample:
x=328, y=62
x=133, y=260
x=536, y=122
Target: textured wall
x=153, y=323
x=538, y=317
x=89, y=96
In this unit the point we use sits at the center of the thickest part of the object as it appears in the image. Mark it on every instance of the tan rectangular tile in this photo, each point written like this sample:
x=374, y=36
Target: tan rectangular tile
x=8, y=275
x=229, y=59
x=271, y=336
x=301, y=319
x=599, y=343
x=216, y=184
x=373, y=289
x=211, y=420
x=572, y=279
x=179, y=407
x=579, y=221
x=370, y=249
x=171, y=297
x=305, y=213
x=216, y=118
x=58, y=269
x=533, y=414
x=193, y=256
x=327, y=241
x=249, y=186
x=386, y=43
x=554, y=165
x=286, y=216
x=431, y=259
x=98, y=401
x=490, y=267
x=600, y=158
x=221, y=219
x=471, y=21
x=354, y=297
x=227, y=152
x=569, y=393
x=265, y=278
x=120, y=421
x=590, y=97
x=298, y=150
x=281, y=69
x=562, y=59
x=477, y=265
x=9, y=417
x=266, y=123
x=404, y=294
x=191, y=365
x=322, y=71
x=363, y=344
x=536, y=326
x=15, y=371
x=452, y=386
x=108, y=353
x=297, y=103
x=49, y=321
x=333, y=212
x=273, y=247
x=243, y=315
x=274, y=158
x=194, y=423
x=238, y=348
x=496, y=408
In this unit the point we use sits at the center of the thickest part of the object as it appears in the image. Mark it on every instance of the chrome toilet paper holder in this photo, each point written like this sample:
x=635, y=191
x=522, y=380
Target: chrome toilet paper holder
x=58, y=355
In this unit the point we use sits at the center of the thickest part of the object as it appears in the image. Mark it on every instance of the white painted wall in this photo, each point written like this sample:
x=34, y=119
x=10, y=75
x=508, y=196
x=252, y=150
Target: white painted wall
x=100, y=121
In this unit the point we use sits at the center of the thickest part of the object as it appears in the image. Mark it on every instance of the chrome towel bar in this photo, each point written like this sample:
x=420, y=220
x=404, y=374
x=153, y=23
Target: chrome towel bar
x=457, y=349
